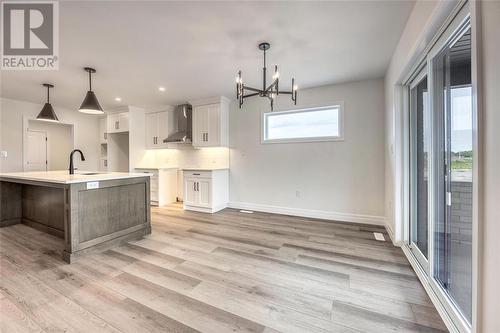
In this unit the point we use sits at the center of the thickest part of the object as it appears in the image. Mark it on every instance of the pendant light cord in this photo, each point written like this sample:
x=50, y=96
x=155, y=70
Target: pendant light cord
x=48, y=94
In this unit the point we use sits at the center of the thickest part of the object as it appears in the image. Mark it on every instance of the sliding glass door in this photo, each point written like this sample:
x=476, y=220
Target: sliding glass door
x=440, y=169
x=419, y=170
x=452, y=99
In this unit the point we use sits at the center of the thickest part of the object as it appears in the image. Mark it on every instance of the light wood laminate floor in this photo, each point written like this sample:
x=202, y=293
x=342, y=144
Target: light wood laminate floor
x=225, y=272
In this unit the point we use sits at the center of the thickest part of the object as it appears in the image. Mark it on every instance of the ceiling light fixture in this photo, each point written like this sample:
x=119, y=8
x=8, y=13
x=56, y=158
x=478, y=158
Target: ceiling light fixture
x=162, y=89
x=272, y=91
x=118, y=99
x=90, y=104
x=47, y=113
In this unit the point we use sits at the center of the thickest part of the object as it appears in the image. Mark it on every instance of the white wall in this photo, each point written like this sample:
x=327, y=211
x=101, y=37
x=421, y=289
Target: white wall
x=490, y=304
x=340, y=180
x=59, y=143
x=11, y=129
x=422, y=25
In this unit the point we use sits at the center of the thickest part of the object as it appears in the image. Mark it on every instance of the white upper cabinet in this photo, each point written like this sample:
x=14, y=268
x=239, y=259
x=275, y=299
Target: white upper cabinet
x=211, y=122
x=117, y=122
x=156, y=129
x=103, y=135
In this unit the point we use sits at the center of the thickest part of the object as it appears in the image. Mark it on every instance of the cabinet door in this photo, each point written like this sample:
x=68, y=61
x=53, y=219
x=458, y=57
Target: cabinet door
x=212, y=136
x=204, y=189
x=151, y=130
x=123, y=122
x=162, y=129
x=190, y=193
x=112, y=123
x=200, y=118
x=102, y=130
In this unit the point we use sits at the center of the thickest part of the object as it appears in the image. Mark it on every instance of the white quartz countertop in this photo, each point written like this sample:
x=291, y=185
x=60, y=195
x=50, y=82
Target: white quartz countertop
x=63, y=177
x=156, y=168
x=205, y=169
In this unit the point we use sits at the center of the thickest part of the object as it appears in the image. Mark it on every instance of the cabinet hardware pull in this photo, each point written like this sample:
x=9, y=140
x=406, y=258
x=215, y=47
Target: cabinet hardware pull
x=207, y=136
x=194, y=186
x=197, y=186
x=196, y=174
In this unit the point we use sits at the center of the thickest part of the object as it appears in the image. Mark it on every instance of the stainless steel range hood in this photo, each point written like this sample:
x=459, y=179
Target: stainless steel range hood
x=182, y=118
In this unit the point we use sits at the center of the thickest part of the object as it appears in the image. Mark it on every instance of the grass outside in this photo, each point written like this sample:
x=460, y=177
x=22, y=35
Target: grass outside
x=461, y=164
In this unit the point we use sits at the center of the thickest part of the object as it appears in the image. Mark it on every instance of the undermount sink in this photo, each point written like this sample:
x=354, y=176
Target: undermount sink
x=89, y=173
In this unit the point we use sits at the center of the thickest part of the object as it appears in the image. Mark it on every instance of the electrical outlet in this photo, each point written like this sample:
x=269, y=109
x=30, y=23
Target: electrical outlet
x=3, y=154
x=297, y=194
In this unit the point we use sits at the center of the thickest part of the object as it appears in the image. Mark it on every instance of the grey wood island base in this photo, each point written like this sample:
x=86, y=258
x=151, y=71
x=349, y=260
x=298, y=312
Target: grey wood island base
x=90, y=213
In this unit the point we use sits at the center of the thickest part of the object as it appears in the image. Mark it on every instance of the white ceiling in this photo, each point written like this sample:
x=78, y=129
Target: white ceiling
x=194, y=49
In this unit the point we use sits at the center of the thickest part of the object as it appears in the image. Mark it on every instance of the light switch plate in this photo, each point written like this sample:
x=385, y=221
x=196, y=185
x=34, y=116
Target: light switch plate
x=3, y=153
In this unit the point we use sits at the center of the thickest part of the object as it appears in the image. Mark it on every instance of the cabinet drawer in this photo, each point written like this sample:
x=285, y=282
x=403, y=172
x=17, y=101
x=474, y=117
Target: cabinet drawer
x=198, y=174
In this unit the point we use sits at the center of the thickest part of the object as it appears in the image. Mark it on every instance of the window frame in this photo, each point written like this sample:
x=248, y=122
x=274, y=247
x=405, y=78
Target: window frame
x=339, y=137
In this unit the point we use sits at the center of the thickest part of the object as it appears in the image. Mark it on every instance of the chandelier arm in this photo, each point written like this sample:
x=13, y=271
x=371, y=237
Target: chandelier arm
x=250, y=95
x=268, y=89
x=253, y=89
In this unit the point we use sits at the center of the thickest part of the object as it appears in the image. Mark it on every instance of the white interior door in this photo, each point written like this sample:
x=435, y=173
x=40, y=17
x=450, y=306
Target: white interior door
x=36, y=151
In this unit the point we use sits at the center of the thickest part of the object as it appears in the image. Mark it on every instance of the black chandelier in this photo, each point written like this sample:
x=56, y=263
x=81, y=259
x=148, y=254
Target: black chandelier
x=271, y=91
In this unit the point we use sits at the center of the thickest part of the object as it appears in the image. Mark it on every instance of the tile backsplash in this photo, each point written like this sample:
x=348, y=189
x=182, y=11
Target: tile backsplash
x=216, y=157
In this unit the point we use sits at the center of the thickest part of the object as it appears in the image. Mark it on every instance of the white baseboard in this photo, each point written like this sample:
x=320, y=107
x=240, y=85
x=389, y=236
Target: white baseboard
x=390, y=232
x=317, y=214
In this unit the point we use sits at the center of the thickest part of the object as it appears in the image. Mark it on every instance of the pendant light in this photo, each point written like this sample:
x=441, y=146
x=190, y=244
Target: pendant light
x=47, y=113
x=90, y=104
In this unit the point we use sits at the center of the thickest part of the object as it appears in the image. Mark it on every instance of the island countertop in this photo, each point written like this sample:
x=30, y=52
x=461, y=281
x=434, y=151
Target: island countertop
x=63, y=176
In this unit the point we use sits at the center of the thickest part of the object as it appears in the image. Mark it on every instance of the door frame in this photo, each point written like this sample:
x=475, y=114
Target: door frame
x=460, y=24
x=420, y=74
x=26, y=121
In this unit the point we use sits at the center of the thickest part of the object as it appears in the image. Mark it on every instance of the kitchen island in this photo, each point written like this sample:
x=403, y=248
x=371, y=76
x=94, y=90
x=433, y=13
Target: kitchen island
x=91, y=211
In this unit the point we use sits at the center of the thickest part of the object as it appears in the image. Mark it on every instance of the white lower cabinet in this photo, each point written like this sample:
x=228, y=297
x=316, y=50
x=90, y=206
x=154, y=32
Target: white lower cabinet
x=206, y=190
x=163, y=185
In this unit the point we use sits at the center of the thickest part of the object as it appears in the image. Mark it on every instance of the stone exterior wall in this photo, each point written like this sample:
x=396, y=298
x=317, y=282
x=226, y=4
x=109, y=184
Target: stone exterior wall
x=461, y=211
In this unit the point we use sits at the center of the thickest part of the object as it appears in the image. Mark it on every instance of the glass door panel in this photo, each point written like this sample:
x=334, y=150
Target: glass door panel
x=419, y=171
x=453, y=225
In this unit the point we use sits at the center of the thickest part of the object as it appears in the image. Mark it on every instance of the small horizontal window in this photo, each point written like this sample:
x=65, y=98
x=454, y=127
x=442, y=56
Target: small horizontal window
x=305, y=125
